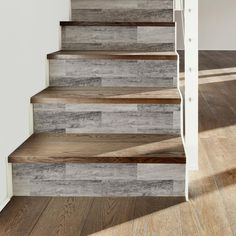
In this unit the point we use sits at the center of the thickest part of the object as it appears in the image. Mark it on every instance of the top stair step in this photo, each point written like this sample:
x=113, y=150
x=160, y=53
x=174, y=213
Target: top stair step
x=123, y=10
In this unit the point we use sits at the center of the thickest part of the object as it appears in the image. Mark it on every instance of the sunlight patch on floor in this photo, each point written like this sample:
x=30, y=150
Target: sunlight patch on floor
x=157, y=223
x=219, y=132
x=213, y=76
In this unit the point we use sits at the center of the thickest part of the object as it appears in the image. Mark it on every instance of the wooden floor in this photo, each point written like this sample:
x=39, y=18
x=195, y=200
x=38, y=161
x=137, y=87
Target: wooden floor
x=211, y=209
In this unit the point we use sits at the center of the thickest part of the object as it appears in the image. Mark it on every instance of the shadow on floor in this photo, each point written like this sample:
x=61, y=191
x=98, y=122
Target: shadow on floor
x=222, y=180
x=217, y=106
x=76, y=216
x=109, y=212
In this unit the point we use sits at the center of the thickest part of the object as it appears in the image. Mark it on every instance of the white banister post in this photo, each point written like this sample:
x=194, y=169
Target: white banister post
x=191, y=83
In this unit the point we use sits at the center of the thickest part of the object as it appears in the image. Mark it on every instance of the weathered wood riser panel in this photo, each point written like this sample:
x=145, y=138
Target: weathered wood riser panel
x=116, y=73
x=99, y=179
x=118, y=38
x=121, y=11
x=122, y=4
x=105, y=118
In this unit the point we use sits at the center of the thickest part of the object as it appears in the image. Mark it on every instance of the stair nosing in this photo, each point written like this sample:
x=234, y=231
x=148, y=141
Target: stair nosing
x=58, y=157
x=44, y=97
x=106, y=23
x=109, y=55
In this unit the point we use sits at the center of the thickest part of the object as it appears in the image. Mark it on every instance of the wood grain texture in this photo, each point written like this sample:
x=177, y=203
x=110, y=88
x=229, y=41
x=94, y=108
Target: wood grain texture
x=130, y=15
x=113, y=73
x=62, y=213
x=122, y=4
x=116, y=55
x=131, y=11
x=119, y=38
x=73, y=179
x=107, y=118
x=98, y=188
x=100, y=148
x=107, y=95
x=20, y=215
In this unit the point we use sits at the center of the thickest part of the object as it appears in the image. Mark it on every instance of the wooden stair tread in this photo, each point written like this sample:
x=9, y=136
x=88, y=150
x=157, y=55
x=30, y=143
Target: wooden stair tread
x=107, y=23
x=100, y=148
x=113, y=95
x=119, y=55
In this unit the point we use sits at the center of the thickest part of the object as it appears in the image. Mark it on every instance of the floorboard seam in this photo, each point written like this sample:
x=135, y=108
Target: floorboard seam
x=36, y=222
x=85, y=218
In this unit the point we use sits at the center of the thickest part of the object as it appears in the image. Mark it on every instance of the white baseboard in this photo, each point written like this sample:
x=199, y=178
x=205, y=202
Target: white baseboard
x=4, y=203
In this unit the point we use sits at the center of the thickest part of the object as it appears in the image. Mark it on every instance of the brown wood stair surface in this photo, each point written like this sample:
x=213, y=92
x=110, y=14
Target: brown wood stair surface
x=118, y=55
x=112, y=95
x=100, y=148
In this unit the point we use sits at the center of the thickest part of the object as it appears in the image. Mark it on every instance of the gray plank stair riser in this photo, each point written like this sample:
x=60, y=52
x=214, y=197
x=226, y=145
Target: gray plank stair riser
x=118, y=38
x=98, y=179
x=121, y=73
x=123, y=10
x=122, y=4
x=123, y=15
x=105, y=118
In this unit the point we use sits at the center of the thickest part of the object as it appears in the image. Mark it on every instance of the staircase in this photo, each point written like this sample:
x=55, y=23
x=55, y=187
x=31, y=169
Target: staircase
x=109, y=124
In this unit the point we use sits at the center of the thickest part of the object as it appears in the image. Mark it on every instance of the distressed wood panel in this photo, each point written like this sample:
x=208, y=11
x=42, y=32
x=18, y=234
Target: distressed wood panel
x=98, y=180
x=117, y=73
x=136, y=38
x=122, y=4
x=101, y=171
x=106, y=119
x=123, y=11
x=160, y=172
x=122, y=15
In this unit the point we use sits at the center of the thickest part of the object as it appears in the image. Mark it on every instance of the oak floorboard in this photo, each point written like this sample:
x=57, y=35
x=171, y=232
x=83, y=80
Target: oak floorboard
x=63, y=216
x=224, y=167
x=103, y=214
x=21, y=215
x=159, y=220
x=206, y=200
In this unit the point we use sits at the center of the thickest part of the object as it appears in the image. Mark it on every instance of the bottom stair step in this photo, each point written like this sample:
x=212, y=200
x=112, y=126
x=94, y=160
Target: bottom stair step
x=99, y=165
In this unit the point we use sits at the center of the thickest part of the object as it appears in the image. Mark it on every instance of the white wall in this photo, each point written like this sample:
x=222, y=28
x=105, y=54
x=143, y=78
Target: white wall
x=217, y=23
x=29, y=30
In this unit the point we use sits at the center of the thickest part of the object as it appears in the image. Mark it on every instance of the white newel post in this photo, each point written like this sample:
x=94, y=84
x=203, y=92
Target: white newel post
x=191, y=82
